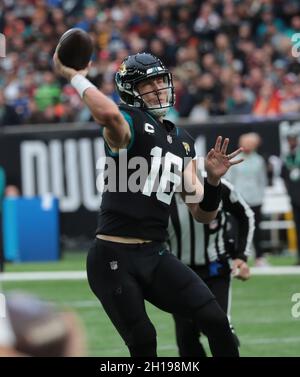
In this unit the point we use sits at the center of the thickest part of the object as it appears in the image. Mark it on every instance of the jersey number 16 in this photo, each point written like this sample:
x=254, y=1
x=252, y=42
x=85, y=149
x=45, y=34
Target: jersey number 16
x=167, y=175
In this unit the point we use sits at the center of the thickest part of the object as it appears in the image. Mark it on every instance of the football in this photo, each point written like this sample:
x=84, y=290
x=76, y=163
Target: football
x=75, y=48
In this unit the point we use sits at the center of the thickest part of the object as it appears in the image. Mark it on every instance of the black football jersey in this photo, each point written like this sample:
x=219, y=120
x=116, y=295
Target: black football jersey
x=148, y=173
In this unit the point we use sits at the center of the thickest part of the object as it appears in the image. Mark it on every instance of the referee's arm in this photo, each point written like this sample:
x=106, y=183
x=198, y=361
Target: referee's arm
x=235, y=205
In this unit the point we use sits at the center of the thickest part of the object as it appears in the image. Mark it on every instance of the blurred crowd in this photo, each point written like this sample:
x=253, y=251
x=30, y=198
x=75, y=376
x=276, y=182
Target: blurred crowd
x=227, y=56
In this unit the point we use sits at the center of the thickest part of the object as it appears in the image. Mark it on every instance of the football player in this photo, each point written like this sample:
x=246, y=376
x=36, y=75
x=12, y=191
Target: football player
x=128, y=262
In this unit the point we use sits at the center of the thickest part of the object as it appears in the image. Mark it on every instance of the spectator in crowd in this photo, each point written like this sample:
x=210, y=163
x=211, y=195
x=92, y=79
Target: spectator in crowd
x=240, y=104
x=291, y=176
x=267, y=102
x=250, y=181
x=200, y=111
x=48, y=94
x=290, y=94
x=33, y=327
x=8, y=115
x=243, y=49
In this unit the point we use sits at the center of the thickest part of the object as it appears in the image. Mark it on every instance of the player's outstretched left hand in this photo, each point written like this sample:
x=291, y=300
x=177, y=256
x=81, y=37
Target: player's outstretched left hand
x=217, y=162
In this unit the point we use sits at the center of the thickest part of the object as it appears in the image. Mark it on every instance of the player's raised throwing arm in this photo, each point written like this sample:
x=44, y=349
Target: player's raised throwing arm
x=217, y=163
x=103, y=109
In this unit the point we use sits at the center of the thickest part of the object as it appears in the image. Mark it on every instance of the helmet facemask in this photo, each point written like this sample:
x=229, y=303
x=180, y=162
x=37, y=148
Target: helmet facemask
x=159, y=108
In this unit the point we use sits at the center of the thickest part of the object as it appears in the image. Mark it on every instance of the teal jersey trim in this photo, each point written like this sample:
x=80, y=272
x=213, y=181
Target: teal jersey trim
x=157, y=123
x=2, y=186
x=132, y=138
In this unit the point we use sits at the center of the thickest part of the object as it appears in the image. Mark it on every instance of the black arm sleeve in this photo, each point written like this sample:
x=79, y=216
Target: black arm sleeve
x=212, y=197
x=234, y=204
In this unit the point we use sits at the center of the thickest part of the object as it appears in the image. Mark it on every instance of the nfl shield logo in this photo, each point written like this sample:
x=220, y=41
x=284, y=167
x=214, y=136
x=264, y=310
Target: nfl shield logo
x=113, y=265
x=169, y=138
x=213, y=224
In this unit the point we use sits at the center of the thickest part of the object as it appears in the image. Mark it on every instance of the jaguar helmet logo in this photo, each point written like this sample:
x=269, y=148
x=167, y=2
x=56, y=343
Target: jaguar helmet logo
x=122, y=69
x=186, y=147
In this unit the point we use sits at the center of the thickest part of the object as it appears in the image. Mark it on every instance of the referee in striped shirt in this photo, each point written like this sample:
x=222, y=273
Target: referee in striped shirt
x=212, y=253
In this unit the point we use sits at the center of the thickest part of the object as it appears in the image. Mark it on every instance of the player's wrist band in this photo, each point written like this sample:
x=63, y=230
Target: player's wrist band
x=81, y=84
x=211, y=198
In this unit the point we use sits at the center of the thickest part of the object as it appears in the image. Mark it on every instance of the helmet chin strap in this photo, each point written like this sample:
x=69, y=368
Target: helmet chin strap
x=158, y=112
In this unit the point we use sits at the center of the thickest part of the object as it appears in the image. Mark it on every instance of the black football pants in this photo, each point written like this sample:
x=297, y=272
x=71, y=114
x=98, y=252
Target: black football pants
x=187, y=332
x=122, y=276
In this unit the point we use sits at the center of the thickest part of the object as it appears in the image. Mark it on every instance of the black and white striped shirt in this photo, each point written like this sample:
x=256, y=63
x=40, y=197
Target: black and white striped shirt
x=198, y=244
